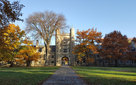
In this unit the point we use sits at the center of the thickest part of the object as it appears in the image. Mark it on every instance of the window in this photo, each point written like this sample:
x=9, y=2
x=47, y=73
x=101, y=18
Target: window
x=64, y=42
x=52, y=56
x=53, y=49
x=98, y=56
x=65, y=50
x=52, y=61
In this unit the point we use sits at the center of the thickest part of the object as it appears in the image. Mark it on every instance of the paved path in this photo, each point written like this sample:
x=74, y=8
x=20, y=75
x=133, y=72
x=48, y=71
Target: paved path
x=64, y=76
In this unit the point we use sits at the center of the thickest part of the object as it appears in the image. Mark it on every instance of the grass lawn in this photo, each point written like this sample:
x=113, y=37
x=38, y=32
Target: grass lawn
x=25, y=75
x=107, y=75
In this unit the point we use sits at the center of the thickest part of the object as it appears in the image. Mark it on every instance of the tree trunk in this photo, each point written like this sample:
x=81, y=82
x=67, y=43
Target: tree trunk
x=45, y=49
x=87, y=62
x=11, y=64
x=28, y=63
x=47, y=53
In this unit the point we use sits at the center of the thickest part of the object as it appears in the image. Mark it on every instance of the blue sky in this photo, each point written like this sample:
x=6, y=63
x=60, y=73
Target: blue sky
x=105, y=15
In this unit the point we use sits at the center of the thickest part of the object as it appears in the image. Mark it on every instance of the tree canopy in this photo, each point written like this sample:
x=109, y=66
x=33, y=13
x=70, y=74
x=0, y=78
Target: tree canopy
x=9, y=12
x=87, y=44
x=10, y=39
x=27, y=53
x=114, y=46
x=43, y=26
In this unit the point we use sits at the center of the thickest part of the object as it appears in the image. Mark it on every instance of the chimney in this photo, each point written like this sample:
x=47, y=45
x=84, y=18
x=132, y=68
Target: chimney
x=37, y=43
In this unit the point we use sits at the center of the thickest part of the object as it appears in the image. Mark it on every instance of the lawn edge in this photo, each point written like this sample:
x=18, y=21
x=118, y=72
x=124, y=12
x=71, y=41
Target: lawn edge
x=84, y=80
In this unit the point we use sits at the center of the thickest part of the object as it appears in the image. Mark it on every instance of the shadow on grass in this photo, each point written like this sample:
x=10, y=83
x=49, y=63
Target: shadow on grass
x=95, y=80
x=24, y=76
x=125, y=69
x=110, y=76
x=113, y=73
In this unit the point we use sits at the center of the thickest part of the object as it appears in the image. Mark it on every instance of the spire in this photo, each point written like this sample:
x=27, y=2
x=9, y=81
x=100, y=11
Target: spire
x=72, y=32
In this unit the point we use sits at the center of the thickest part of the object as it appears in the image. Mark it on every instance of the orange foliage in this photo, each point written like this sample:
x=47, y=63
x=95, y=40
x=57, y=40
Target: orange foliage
x=114, y=46
x=86, y=43
x=28, y=53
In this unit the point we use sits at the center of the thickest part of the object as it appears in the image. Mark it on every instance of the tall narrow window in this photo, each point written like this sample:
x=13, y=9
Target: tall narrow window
x=64, y=42
x=65, y=50
x=52, y=56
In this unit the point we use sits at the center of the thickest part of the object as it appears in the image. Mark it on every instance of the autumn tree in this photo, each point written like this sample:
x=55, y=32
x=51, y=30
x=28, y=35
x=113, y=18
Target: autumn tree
x=114, y=46
x=43, y=26
x=9, y=12
x=10, y=40
x=87, y=45
x=27, y=53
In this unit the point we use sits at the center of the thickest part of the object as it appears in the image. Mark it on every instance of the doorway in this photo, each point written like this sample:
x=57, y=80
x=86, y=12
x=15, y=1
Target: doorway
x=65, y=61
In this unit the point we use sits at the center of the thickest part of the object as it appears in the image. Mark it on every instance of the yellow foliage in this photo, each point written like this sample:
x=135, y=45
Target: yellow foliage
x=10, y=38
x=28, y=53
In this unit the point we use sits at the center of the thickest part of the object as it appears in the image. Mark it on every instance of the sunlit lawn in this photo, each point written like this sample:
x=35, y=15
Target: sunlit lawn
x=107, y=75
x=24, y=75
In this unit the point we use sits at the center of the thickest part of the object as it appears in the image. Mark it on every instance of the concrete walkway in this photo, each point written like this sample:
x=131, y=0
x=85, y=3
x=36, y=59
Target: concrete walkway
x=64, y=76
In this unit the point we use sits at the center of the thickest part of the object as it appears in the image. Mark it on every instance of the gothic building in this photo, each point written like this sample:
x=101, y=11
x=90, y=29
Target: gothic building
x=60, y=53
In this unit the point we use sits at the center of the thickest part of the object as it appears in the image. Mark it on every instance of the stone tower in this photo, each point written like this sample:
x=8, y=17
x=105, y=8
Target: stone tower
x=64, y=46
x=72, y=43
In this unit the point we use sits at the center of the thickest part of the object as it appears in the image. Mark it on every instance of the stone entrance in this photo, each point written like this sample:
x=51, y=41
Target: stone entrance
x=65, y=61
x=64, y=46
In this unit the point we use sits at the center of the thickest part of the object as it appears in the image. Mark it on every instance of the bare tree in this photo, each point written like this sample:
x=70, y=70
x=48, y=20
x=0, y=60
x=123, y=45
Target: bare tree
x=43, y=26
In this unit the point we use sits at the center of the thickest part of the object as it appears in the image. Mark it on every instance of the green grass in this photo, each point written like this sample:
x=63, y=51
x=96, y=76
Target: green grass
x=107, y=75
x=25, y=75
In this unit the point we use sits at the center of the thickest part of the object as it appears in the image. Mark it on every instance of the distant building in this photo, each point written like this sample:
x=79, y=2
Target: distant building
x=131, y=61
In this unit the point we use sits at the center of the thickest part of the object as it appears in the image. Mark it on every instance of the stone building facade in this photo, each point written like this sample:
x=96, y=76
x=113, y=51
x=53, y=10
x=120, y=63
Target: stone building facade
x=60, y=53
x=64, y=46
